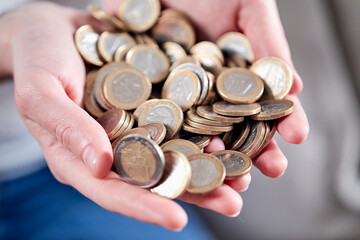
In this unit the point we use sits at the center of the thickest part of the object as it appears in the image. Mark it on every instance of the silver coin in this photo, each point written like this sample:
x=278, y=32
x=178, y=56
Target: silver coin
x=138, y=12
x=161, y=113
x=114, y=41
x=274, y=106
x=203, y=172
x=201, y=74
x=240, y=84
x=235, y=48
x=88, y=41
x=275, y=77
x=236, y=164
x=127, y=87
x=148, y=62
x=181, y=90
x=250, y=139
x=139, y=160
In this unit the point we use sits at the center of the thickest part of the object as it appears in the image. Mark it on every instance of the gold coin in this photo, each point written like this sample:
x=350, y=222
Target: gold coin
x=90, y=103
x=236, y=164
x=126, y=88
x=182, y=87
x=205, y=127
x=152, y=62
x=276, y=73
x=176, y=177
x=173, y=51
x=236, y=44
x=105, y=18
x=207, y=48
x=142, y=107
x=211, y=94
x=208, y=131
x=112, y=120
x=239, y=85
x=139, y=131
x=139, y=161
x=171, y=28
x=274, y=109
x=123, y=128
x=207, y=112
x=186, y=147
x=131, y=122
x=229, y=109
x=192, y=116
x=270, y=132
x=109, y=42
x=254, y=139
x=207, y=173
x=234, y=139
x=139, y=15
x=86, y=38
x=165, y=111
x=157, y=131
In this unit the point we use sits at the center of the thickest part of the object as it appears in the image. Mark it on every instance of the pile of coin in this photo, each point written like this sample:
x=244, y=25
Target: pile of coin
x=159, y=96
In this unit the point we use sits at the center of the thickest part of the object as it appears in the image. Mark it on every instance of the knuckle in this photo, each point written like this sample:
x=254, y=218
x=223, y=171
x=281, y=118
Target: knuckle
x=63, y=132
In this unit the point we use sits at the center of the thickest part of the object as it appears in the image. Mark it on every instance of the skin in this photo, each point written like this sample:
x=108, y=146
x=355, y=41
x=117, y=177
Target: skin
x=39, y=51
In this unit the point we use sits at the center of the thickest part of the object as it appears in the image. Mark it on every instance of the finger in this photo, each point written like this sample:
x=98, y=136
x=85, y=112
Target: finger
x=294, y=128
x=46, y=89
x=216, y=144
x=240, y=184
x=223, y=200
x=111, y=192
x=271, y=162
x=260, y=22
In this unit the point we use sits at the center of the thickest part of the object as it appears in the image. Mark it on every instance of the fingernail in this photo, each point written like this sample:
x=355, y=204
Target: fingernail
x=235, y=215
x=88, y=157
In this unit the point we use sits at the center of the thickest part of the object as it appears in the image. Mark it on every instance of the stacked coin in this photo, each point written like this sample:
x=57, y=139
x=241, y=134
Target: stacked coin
x=148, y=71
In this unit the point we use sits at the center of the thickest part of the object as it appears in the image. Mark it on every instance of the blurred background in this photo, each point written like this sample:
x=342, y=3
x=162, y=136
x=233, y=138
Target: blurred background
x=318, y=197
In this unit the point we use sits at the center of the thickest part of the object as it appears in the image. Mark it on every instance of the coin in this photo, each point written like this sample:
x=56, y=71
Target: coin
x=112, y=120
x=139, y=161
x=209, y=62
x=157, y=131
x=269, y=134
x=152, y=62
x=207, y=48
x=229, y=109
x=139, y=15
x=90, y=103
x=122, y=51
x=85, y=39
x=126, y=88
x=105, y=18
x=234, y=139
x=109, y=42
x=139, y=131
x=170, y=28
x=274, y=109
x=184, y=146
x=186, y=59
x=176, y=177
x=236, y=44
x=276, y=73
x=173, y=51
x=183, y=88
x=126, y=125
x=236, y=164
x=205, y=127
x=200, y=73
x=141, y=107
x=211, y=95
x=208, y=131
x=166, y=112
x=235, y=62
x=207, y=173
x=254, y=139
x=200, y=140
x=192, y=116
x=239, y=85
x=207, y=112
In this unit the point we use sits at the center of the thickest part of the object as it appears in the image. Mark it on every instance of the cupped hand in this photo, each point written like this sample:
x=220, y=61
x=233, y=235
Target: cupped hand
x=49, y=77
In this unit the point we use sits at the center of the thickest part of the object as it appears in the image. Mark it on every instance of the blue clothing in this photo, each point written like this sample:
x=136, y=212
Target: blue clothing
x=38, y=207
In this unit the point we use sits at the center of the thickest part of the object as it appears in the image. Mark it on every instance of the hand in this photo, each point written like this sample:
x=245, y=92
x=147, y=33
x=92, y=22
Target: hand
x=49, y=77
x=260, y=22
